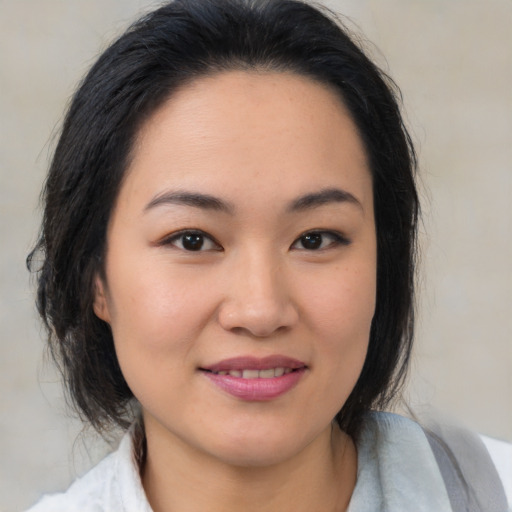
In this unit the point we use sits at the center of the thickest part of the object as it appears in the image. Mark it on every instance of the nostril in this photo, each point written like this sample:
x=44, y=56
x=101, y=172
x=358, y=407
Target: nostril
x=258, y=304
x=257, y=324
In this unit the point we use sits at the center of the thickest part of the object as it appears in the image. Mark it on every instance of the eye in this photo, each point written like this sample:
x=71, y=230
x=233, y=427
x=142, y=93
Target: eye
x=318, y=240
x=192, y=241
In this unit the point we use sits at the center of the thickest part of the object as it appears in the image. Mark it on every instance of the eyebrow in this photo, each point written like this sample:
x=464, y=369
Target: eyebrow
x=195, y=199
x=209, y=202
x=325, y=196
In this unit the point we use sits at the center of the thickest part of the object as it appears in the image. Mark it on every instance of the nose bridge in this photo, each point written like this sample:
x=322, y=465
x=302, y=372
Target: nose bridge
x=258, y=299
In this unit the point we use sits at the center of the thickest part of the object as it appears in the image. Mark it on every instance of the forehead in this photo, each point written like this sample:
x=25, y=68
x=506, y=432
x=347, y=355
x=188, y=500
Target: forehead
x=276, y=133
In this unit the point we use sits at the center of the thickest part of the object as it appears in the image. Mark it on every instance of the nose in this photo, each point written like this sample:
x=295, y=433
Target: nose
x=258, y=301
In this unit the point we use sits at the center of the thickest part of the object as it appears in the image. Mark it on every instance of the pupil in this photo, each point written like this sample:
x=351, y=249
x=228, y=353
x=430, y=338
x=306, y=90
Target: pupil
x=312, y=241
x=193, y=242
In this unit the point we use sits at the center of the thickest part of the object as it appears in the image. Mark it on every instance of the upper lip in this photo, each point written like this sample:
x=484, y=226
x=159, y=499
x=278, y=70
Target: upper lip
x=255, y=363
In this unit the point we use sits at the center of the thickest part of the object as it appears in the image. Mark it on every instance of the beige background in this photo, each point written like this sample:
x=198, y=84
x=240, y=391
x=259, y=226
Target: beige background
x=453, y=61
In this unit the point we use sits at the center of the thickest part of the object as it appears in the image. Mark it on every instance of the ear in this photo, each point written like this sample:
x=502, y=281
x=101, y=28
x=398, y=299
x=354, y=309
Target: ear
x=100, y=305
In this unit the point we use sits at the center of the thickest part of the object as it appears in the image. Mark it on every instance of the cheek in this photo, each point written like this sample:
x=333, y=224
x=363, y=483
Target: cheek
x=344, y=303
x=153, y=331
x=149, y=295
x=155, y=315
x=343, y=309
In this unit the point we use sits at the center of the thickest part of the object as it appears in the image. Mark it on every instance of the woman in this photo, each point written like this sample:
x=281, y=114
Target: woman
x=228, y=260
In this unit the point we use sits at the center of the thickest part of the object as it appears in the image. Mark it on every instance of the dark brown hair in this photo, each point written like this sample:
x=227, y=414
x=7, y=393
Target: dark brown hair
x=169, y=47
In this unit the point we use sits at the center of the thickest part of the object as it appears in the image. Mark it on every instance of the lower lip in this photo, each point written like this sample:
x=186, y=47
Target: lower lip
x=256, y=390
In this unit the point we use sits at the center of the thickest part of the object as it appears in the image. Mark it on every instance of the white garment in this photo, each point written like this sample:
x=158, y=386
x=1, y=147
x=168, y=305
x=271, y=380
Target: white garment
x=113, y=485
x=501, y=455
x=397, y=472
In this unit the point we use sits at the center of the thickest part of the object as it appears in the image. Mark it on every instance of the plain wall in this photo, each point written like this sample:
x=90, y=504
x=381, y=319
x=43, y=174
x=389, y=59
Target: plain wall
x=453, y=62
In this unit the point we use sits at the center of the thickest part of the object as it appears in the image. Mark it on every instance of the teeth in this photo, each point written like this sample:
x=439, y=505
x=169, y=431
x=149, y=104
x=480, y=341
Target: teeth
x=257, y=374
x=250, y=374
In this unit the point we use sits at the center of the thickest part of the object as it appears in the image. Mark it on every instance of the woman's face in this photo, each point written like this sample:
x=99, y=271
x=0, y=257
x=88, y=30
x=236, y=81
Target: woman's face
x=241, y=266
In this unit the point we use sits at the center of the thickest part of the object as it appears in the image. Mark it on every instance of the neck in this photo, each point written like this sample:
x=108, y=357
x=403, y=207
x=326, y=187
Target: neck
x=321, y=477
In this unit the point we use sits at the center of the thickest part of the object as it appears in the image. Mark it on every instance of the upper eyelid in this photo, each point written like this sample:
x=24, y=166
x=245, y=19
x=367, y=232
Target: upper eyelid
x=339, y=237
x=334, y=233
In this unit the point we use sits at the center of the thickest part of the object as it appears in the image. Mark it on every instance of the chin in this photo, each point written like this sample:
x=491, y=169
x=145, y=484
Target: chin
x=259, y=447
x=256, y=455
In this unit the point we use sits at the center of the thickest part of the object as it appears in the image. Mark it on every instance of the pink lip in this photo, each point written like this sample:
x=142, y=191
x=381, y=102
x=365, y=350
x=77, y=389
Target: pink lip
x=259, y=389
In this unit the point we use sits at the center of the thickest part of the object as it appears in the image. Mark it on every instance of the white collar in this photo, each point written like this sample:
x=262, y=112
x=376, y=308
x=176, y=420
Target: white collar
x=128, y=493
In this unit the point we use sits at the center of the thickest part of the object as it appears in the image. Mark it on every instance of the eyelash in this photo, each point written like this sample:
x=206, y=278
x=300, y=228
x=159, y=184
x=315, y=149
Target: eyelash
x=337, y=239
x=172, y=239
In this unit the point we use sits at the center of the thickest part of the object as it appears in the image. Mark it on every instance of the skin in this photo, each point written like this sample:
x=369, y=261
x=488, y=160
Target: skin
x=257, y=142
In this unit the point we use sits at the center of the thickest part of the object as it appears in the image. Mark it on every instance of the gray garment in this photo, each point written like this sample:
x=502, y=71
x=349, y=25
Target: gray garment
x=397, y=471
x=469, y=474
x=403, y=467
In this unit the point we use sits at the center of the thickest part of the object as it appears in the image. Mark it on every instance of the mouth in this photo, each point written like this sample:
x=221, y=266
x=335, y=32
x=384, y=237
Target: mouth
x=248, y=367
x=253, y=379
x=249, y=373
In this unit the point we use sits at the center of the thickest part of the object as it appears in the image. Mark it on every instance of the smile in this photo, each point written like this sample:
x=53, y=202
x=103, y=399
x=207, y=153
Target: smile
x=254, y=379
x=256, y=374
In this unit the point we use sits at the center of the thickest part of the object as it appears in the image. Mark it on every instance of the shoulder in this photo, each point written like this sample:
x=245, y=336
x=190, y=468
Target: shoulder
x=396, y=467
x=85, y=494
x=477, y=471
x=114, y=484
x=501, y=455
